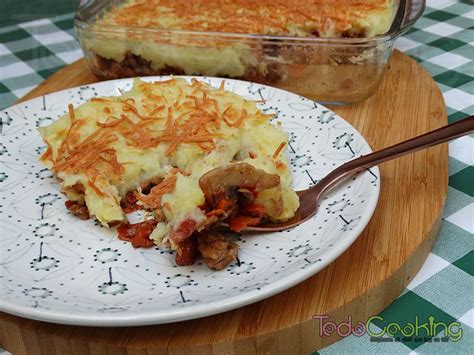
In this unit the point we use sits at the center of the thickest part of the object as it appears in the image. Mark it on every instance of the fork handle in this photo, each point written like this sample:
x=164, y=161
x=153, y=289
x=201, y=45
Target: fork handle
x=423, y=141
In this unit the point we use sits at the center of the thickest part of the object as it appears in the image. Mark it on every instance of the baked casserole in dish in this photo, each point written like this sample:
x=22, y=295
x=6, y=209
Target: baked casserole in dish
x=330, y=51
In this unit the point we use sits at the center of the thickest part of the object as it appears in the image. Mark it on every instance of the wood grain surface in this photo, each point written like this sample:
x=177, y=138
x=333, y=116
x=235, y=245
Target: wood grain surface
x=361, y=282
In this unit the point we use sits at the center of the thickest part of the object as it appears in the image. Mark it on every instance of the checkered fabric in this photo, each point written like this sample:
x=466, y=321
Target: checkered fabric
x=32, y=51
x=442, y=41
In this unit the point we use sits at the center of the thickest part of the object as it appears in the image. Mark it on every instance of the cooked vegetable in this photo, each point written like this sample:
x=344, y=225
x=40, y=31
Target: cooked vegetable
x=228, y=179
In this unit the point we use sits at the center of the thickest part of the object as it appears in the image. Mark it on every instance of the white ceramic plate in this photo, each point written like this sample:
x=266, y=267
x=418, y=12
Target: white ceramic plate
x=57, y=268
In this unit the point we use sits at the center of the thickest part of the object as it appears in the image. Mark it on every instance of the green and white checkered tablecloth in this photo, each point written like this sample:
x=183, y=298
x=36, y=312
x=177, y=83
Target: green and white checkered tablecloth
x=442, y=42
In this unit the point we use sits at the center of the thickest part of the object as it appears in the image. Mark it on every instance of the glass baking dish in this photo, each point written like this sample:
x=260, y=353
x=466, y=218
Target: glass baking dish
x=332, y=71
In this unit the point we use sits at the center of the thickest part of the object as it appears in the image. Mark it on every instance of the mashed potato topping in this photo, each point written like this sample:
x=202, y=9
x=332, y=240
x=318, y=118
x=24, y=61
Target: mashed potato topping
x=152, y=159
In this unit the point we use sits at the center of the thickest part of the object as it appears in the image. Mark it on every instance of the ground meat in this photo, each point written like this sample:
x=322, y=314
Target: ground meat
x=78, y=188
x=273, y=75
x=216, y=250
x=77, y=209
x=129, y=203
x=272, y=48
x=135, y=65
x=353, y=33
x=132, y=65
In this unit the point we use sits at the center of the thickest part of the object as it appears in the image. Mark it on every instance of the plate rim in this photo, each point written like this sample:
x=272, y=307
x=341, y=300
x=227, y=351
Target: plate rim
x=214, y=307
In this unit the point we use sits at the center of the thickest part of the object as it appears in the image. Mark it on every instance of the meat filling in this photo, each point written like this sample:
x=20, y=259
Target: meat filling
x=135, y=65
x=77, y=209
x=132, y=65
x=216, y=251
x=230, y=192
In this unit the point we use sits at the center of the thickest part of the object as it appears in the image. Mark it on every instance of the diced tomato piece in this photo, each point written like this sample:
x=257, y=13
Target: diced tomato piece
x=254, y=209
x=129, y=203
x=223, y=204
x=252, y=190
x=186, y=252
x=130, y=198
x=237, y=223
x=138, y=234
x=185, y=229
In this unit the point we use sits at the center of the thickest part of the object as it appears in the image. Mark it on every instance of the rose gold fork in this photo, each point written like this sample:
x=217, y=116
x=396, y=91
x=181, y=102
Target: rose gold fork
x=309, y=199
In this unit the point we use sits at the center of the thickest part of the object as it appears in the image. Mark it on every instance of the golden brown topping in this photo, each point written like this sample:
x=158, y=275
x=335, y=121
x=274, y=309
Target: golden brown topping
x=280, y=165
x=188, y=116
x=85, y=156
x=110, y=122
x=94, y=187
x=278, y=150
x=276, y=17
x=48, y=154
x=153, y=199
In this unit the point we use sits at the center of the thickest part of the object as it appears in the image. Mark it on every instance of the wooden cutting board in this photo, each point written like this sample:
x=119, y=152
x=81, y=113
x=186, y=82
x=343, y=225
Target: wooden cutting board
x=361, y=282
